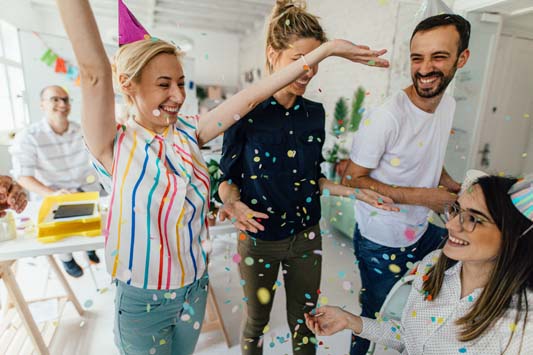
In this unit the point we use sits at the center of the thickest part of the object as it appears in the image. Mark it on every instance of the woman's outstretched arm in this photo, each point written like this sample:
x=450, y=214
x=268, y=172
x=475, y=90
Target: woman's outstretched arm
x=223, y=116
x=98, y=102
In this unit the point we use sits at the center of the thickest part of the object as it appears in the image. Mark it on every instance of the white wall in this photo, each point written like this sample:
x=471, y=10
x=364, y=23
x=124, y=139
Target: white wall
x=215, y=54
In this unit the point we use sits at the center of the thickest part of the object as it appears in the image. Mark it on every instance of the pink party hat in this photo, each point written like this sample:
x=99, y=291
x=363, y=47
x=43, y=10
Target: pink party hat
x=129, y=28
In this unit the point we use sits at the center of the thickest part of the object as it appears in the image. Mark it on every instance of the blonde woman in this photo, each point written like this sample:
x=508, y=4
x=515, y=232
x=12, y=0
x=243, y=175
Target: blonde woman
x=471, y=297
x=158, y=180
x=271, y=164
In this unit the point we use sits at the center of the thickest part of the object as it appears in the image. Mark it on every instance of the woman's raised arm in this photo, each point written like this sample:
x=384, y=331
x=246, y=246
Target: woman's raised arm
x=98, y=102
x=223, y=116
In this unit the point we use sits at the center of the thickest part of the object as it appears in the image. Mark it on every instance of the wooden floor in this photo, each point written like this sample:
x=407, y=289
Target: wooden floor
x=92, y=333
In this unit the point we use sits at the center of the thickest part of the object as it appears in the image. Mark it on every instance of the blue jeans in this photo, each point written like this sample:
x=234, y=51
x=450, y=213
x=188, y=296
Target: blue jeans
x=159, y=322
x=376, y=277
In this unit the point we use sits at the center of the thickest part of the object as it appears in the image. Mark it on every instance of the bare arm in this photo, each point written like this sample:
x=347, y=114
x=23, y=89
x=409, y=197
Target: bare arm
x=98, y=112
x=32, y=184
x=371, y=197
x=448, y=182
x=433, y=198
x=222, y=117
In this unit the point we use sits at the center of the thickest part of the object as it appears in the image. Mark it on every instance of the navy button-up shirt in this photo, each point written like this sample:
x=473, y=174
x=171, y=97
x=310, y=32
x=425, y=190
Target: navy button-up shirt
x=273, y=155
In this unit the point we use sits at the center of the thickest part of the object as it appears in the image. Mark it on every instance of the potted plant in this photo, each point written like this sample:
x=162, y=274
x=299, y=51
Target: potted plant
x=215, y=178
x=338, y=155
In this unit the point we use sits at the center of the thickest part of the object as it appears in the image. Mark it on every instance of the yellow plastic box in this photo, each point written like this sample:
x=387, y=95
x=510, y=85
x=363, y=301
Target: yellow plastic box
x=49, y=231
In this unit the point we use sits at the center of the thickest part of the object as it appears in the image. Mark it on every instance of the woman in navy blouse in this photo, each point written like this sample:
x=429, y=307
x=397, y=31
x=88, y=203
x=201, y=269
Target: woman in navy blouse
x=271, y=166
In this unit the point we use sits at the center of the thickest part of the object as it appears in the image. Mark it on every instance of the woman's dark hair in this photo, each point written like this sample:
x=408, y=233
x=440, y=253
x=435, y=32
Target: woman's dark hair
x=460, y=23
x=512, y=274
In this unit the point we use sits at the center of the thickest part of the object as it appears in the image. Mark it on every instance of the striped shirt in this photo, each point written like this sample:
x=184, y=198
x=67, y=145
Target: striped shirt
x=159, y=202
x=428, y=327
x=59, y=161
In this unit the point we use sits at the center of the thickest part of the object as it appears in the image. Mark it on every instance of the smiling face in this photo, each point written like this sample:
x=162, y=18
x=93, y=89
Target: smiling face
x=55, y=103
x=298, y=48
x=435, y=59
x=482, y=244
x=160, y=92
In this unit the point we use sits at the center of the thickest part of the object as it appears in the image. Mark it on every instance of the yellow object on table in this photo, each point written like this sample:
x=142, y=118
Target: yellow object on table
x=51, y=230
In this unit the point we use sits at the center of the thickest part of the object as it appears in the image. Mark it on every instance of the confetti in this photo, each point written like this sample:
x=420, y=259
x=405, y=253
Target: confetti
x=371, y=62
x=263, y=295
x=249, y=261
x=462, y=350
x=410, y=234
x=156, y=113
x=90, y=179
x=152, y=351
x=236, y=258
x=196, y=325
x=394, y=268
x=311, y=235
x=287, y=22
x=185, y=317
x=236, y=117
x=291, y=153
x=395, y=162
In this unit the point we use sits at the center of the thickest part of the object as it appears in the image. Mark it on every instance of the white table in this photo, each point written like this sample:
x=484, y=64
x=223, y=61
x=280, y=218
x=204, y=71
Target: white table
x=27, y=246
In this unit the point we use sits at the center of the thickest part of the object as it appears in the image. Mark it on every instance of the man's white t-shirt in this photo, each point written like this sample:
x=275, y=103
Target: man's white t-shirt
x=405, y=147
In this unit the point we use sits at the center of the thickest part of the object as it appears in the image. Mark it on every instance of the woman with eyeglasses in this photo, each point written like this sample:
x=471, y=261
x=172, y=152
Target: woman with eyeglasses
x=473, y=295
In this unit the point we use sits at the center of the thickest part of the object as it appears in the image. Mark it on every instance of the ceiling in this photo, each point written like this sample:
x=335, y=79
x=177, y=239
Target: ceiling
x=168, y=16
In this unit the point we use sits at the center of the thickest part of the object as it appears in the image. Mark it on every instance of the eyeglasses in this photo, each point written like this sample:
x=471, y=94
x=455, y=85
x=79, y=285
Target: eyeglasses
x=467, y=219
x=57, y=99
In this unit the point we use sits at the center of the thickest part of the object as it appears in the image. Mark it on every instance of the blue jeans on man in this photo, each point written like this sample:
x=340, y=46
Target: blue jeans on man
x=376, y=277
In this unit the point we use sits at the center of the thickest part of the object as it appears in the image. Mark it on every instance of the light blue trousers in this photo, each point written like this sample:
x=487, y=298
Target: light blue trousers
x=160, y=322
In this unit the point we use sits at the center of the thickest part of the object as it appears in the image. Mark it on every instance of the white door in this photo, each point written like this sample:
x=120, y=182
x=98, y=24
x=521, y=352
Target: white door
x=506, y=130
x=470, y=93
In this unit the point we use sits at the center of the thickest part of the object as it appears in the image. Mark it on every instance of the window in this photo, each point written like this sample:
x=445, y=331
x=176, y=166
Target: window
x=13, y=107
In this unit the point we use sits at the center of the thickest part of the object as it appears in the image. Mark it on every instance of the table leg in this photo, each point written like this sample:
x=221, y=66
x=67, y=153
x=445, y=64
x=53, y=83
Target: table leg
x=22, y=307
x=70, y=294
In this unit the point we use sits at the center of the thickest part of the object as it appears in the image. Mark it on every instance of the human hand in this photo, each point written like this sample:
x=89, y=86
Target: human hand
x=12, y=195
x=376, y=200
x=438, y=198
x=327, y=320
x=242, y=216
x=358, y=53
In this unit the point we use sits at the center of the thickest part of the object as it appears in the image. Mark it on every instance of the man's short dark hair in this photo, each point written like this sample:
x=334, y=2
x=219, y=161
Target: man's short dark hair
x=461, y=25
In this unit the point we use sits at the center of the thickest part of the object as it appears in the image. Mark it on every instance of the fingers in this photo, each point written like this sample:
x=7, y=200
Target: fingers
x=259, y=214
x=5, y=185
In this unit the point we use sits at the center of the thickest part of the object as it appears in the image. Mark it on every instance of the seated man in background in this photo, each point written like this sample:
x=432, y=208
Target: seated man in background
x=49, y=157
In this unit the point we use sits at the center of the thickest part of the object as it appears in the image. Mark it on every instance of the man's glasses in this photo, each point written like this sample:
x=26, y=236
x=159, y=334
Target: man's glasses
x=467, y=219
x=57, y=99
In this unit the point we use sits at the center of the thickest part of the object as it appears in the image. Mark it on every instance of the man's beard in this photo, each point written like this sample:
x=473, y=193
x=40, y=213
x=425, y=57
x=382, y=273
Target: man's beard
x=444, y=82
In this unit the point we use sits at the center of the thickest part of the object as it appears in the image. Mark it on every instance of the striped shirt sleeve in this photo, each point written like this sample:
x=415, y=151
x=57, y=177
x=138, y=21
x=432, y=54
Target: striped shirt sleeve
x=24, y=155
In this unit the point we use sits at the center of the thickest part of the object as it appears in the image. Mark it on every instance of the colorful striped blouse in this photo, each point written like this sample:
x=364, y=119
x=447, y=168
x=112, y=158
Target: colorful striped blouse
x=159, y=202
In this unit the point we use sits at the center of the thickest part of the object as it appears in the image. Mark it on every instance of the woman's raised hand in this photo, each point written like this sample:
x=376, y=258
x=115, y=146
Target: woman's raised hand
x=358, y=53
